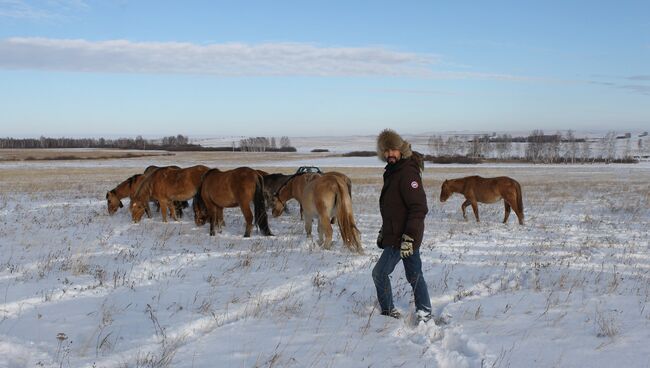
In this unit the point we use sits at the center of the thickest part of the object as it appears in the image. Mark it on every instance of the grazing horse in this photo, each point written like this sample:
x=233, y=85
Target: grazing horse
x=166, y=185
x=486, y=190
x=178, y=205
x=325, y=197
x=128, y=187
x=292, y=188
x=272, y=183
x=125, y=189
x=231, y=188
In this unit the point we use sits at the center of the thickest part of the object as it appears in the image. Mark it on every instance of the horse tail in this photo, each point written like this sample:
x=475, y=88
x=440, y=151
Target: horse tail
x=520, y=202
x=349, y=232
x=261, y=219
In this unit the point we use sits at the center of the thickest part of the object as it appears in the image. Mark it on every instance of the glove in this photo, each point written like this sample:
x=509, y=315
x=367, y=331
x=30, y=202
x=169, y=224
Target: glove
x=380, y=239
x=406, y=247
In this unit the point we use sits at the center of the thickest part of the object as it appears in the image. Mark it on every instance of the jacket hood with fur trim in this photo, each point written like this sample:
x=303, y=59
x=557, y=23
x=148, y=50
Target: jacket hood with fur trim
x=389, y=139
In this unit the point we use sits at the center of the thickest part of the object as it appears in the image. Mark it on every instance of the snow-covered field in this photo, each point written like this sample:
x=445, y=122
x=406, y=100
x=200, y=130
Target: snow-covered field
x=80, y=288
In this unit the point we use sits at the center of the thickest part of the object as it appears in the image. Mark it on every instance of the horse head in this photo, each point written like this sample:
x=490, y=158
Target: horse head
x=445, y=192
x=278, y=205
x=113, y=202
x=137, y=209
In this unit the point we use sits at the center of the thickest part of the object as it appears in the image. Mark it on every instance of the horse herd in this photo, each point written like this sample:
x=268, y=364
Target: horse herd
x=324, y=197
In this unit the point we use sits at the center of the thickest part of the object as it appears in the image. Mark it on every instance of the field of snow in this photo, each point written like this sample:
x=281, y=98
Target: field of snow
x=80, y=288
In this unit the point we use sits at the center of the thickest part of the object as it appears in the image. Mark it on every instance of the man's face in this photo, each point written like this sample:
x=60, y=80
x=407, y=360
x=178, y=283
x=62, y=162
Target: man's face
x=392, y=155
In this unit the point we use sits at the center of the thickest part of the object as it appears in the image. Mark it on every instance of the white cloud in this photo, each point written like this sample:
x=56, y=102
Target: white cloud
x=39, y=10
x=227, y=59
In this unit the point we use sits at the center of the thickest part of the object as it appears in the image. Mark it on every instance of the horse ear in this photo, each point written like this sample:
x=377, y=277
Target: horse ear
x=107, y=195
x=121, y=205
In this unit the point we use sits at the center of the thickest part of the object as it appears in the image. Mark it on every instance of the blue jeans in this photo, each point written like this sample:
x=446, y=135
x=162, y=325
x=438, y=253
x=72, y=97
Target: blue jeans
x=413, y=268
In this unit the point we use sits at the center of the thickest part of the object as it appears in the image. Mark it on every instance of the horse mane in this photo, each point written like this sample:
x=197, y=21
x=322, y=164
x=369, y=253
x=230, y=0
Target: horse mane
x=288, y=180
x=144, y=189
x=132, y=179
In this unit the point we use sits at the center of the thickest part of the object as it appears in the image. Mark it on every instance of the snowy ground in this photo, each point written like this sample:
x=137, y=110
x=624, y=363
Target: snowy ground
x=569, y=289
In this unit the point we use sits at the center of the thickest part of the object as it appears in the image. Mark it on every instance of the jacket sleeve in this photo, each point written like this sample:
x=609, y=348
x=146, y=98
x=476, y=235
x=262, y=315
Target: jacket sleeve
x=416, y=203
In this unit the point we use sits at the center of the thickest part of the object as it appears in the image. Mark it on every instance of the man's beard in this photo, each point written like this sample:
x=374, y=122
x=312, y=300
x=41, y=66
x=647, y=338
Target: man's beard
x=391, y=160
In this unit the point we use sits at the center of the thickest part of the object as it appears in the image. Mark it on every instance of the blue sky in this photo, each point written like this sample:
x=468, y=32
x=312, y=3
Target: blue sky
x=152, y=68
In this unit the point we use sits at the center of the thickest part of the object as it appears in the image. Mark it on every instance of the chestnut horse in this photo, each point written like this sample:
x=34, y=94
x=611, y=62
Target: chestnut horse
x=324, y=197
x=486, y=190
x=292, y=188
x=125, y=189
x=166, y=185
x=128, y=187
x=231, y=188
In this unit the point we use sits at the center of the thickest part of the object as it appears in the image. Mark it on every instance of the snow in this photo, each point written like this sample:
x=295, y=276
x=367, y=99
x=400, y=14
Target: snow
x=570, y=288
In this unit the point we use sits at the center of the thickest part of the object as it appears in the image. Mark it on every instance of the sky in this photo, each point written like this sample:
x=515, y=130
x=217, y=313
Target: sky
x=309, y=68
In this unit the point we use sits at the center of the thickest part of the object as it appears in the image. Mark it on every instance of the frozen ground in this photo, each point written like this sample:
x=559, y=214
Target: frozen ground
x=569, y=289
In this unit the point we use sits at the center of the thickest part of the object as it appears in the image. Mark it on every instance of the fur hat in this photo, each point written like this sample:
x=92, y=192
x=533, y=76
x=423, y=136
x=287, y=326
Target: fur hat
x=389, y=139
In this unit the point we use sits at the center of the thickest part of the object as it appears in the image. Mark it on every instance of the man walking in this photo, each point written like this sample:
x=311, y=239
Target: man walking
x=403, y=206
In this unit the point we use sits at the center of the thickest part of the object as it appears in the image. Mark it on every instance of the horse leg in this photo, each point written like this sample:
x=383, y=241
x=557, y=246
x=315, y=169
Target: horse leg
x=507, y=208
x=163, y=209
x=308, y=222
x=248, y=216
x=147, y=210
x=325, y=229
x=213, y=219
x=220, y=221
x=475, y=209
x=519, y=213
x=463, y=206
x=301, y=212
x=172, y=210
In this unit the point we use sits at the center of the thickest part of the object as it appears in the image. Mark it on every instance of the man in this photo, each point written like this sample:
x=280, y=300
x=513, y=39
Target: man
x=403, y=206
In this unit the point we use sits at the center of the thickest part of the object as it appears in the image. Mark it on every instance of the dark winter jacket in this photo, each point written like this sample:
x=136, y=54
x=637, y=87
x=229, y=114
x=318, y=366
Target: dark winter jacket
x=403, y=203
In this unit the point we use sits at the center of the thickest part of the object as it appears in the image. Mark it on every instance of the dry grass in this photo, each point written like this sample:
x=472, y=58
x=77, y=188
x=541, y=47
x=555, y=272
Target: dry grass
x=74, y=154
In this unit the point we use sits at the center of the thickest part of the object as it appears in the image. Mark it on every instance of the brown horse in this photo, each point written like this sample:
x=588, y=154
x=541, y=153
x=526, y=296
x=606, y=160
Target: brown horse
x=486, y=190
x=128, y=187
x=232, y=188
x=178, y=205
x=166, y=185
x=292, y=188
x=125, y=189
x=325, y=197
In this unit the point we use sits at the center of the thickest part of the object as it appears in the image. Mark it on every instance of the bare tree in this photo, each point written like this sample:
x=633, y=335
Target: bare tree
x=585, y=150
x=436, y=145
x=285, y=142
x=609, y=145
x=627, y=154
x=572, y=146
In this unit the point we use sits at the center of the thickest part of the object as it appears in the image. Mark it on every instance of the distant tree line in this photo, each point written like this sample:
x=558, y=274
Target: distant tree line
x=265, y=144
x=536, y=147
x=169, y=143
x=121, y=143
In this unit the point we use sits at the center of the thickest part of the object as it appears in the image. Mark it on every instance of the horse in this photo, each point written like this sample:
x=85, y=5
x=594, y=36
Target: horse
x=178, y=205
x=324, y=197
x=486, y=190
x=292, y=188
x=166, y=185
x=272, y=183
x=125, y=189
x=231, y=188
x=128, y=187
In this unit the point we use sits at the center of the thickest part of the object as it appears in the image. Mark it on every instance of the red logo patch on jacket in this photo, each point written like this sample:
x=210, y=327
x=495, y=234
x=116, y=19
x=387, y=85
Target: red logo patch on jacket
x=414, y=184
